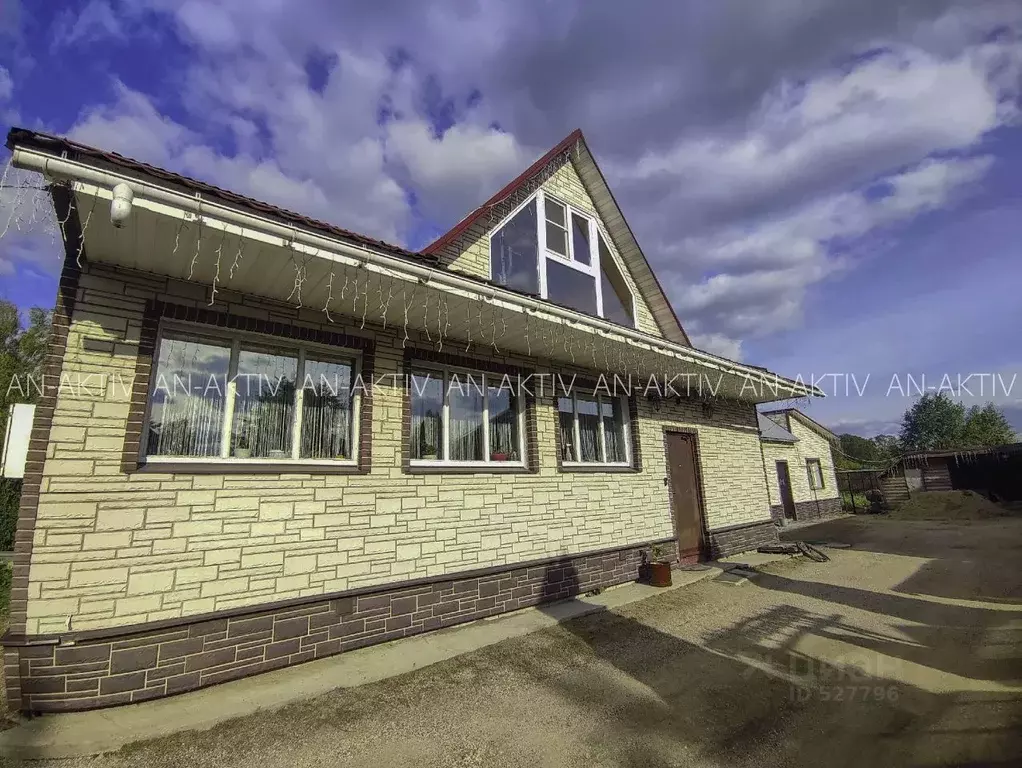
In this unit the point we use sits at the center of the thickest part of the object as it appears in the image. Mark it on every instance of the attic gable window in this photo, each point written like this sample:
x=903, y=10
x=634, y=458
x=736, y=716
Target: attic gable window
x=549, y=248
x=514, y=251
x=618, y=302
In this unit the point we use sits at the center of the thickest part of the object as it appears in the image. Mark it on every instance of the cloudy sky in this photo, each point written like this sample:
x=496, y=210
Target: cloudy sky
x=822, y=187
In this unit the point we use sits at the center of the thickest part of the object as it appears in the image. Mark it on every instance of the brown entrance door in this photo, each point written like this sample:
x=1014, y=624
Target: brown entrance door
x=685, y=505
x=784, y=486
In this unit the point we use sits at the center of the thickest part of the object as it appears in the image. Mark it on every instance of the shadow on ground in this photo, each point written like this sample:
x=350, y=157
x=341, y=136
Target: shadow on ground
x=800, y=686
x=969, y=560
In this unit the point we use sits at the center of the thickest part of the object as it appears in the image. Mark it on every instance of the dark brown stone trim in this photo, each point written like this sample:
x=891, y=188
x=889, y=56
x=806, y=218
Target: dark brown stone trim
x=413, y=358
x=67, y=290
x=741, y=538
x=132, y=665
x=131, y=457
x=132, y=451
x=298, y=603
x=814, y=509
x=741, y=526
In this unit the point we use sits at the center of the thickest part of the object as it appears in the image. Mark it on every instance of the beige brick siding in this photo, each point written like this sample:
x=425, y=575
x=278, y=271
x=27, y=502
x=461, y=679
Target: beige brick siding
x=811, y=445
x=470, y=253
x=112, y=549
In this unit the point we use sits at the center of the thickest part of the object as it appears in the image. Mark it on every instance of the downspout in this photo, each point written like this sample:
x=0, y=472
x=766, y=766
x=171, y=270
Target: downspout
x=73, y=170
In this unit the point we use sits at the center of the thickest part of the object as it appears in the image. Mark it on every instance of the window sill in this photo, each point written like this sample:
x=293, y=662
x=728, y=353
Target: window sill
x=416, y=467
x=577, y=466
x=218, y=466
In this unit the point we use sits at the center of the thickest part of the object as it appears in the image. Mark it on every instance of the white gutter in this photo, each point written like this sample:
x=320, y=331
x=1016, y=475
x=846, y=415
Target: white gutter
x=51, y=166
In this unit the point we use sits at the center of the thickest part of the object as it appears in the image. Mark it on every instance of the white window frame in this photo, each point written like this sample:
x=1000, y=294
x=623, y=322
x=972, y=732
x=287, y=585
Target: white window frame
x=810, y=462
x=235, y=339
x=593, y=269
x=443, y=451
x=626, y=421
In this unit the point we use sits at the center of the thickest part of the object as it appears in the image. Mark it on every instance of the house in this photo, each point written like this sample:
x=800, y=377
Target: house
x=264, y=439
x=799, y=466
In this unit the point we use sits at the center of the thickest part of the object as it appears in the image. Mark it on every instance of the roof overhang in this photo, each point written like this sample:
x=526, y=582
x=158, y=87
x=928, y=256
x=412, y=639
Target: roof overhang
x=229, y=250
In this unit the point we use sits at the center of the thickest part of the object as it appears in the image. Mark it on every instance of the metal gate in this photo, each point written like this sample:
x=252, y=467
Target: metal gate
x=863, y=490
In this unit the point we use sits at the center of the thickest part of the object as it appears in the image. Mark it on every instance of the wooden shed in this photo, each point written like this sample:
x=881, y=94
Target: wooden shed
x=994, y=472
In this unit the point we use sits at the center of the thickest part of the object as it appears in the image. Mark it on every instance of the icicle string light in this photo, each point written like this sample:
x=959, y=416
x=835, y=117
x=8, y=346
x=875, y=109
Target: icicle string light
x=329, y=297
x=365, y=304
x=406, y=305
x=85, y=228
x=198, y=243
x=238, y=256
x=216, y=275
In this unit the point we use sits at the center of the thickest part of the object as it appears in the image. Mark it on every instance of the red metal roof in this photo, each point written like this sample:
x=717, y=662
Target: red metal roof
x=449, y=236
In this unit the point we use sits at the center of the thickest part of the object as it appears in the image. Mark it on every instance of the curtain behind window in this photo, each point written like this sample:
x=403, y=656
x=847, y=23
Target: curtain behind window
x=465, y=399
x=188, y=398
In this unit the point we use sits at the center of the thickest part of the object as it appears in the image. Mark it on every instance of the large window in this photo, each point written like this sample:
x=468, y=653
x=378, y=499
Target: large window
x=815, y=472
x=249, y=399
x=462, y=417
x=593, y=430
x=514, y=251
x=618, y=305
x=548, y=247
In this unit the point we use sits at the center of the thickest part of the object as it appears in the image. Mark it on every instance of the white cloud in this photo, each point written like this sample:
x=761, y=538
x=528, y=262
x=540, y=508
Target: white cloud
x=751, y=167
x=457, y=171
x=748, y=222
x=6, y=85
x=97, y=21
x=718, y=344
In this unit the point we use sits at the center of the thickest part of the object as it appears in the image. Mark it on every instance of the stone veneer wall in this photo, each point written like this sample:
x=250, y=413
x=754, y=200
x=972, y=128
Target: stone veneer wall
x=811, y=445
x=116, y=552
x=808, y=510
x=470, y=253
x=106, y=670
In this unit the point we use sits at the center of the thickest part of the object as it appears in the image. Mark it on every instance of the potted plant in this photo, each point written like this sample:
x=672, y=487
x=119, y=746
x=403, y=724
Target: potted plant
x=659, y=567
x=498, y=456
x=429, y=451
x=241, y=449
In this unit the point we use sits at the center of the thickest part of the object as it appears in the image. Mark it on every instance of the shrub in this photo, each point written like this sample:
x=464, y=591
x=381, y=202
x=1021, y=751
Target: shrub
x=10, y=498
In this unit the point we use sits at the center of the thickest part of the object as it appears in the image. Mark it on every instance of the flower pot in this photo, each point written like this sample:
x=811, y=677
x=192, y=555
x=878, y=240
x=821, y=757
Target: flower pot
x=660, y=574
x=498, y=457
x=429, y=456
x=242, y=453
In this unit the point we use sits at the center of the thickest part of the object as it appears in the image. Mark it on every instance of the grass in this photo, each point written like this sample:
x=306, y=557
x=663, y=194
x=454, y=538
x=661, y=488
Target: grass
x=860, y=501
x=948, y=505
x=5, y=594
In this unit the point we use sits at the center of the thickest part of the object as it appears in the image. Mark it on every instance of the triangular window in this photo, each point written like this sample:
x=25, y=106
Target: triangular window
x=548, y=248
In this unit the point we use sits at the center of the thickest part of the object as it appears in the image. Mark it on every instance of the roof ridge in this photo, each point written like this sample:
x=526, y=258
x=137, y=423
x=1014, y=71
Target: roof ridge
x=447, y=237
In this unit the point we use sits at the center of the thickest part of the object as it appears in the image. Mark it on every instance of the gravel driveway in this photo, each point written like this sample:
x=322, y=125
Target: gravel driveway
x=904, y=650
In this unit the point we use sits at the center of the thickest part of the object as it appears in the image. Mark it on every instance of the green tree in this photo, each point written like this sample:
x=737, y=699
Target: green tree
x=934, y=422
x=22, y=354
x=855, y=452
x=987, y=426
x=888, y=447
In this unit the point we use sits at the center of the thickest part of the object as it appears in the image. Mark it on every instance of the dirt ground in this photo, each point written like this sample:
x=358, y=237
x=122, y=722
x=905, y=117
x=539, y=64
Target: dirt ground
x=905, y=649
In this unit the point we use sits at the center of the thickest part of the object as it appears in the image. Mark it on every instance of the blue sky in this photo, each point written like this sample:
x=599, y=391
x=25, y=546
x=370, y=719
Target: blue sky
x=822, y=187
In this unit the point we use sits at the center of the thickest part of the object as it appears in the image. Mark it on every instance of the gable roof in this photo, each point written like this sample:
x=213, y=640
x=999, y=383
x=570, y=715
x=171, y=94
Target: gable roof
x=609, y=211
x=772, y=431
x=795, y=413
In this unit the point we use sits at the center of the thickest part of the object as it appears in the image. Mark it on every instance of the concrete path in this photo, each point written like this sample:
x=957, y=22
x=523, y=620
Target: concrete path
x=106, y=730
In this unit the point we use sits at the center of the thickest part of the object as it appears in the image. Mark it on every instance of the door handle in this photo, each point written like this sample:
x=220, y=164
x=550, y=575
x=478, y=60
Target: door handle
x=667, y=481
